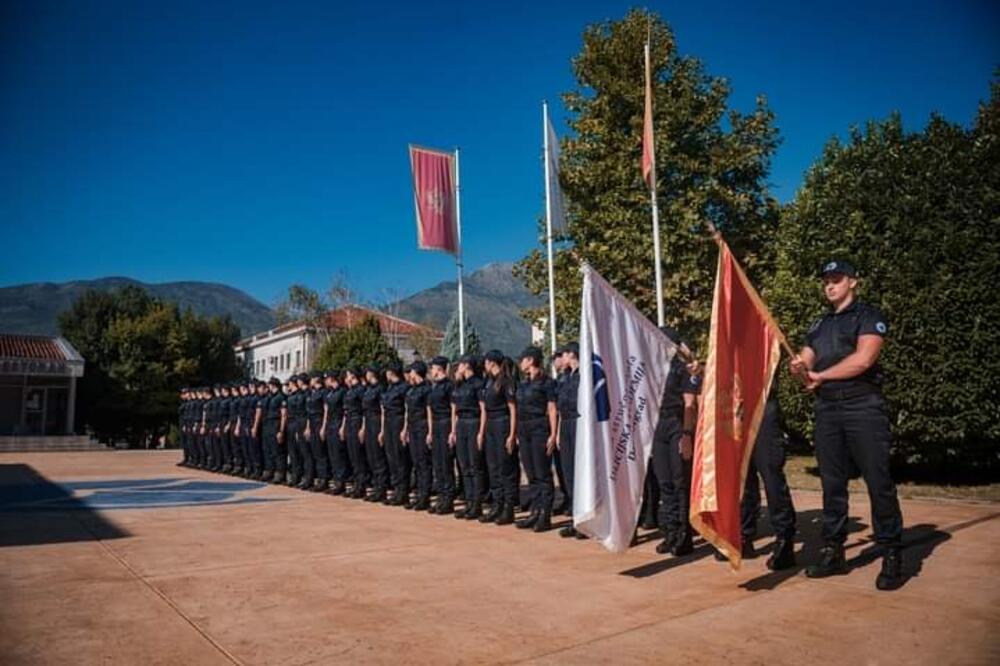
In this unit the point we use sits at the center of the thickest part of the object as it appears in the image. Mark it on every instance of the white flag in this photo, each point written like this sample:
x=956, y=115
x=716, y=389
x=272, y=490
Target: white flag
x=624, y=362
x=556, y=210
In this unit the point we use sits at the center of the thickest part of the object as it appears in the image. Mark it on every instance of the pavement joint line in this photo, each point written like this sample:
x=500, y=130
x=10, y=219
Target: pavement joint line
x=161, y=594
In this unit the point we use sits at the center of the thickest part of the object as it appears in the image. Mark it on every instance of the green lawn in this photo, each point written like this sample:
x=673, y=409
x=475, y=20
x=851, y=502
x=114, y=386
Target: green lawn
x=801, y=472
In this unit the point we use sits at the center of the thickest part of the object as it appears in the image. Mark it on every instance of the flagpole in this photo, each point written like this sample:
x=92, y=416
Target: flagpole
x=458, y=258
x=656, y=213
x=548, y=226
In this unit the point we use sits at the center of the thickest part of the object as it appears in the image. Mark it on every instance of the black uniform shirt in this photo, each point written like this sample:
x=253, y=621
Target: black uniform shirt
x=314, y=404
x=334, y=399
x=534, y=396
x=272, y=413
x=566, y=400
x=352, y=400
x=679, y=381
x=439, y=399
x=495, y=395
x=371, y=400
x=465, y=397
x=296, y=406
x=835, y=335
x=416, y=402
x=394, y=398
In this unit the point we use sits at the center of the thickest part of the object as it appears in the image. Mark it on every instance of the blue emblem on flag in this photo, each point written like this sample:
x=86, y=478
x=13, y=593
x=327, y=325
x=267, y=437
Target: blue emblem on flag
x=602, y=403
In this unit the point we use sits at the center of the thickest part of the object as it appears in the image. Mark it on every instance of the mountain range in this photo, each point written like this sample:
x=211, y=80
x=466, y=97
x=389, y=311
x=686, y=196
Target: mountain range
x=493, y=300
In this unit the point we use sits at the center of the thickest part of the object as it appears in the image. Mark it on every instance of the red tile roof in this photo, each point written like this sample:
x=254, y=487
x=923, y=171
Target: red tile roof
x=351, y=315
x=30, y=346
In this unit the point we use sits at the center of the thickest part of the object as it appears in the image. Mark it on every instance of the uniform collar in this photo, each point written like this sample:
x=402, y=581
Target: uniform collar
x=850, y=308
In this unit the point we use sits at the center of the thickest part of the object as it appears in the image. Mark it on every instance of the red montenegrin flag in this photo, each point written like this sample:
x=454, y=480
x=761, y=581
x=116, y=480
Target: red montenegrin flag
x=648, y=153
x=434, y=196
x=744, y=348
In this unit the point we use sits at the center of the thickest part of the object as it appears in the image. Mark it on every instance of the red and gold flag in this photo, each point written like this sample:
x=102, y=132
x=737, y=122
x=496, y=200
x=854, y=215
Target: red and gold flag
x=744, y=348
x=648, y=152
x=435, y=199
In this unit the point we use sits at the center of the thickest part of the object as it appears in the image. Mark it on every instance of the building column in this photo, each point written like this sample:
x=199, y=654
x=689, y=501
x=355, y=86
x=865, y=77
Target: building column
x=71, y=406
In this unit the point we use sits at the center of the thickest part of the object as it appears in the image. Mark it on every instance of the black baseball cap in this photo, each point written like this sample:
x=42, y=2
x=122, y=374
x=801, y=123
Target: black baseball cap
x=571, y=347
x=440, y=361
x=838, y=266
x=534, y=353
x=419, y=367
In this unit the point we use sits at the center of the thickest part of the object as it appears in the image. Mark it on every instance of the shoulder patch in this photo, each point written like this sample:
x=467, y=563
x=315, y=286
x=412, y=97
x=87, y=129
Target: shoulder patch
x=881, y=327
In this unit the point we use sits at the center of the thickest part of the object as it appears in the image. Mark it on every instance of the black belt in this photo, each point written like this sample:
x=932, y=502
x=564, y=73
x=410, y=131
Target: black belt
x=468, y=416
x=839, y=394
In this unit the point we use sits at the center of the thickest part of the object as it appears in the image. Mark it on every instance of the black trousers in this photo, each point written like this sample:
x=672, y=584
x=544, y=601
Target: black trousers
x=200, y=447
x=421, y=458
x=317, y=449
x=336, y=451
x=217, y=453
x=567, y=457
x=673, y=476
x=255, y=454
x=767, y=463
x=376, y=454
x=444, y=459
x=397, y=455
x=296, y=463
x=356, y=451
x=533, y=435
x=274, y=451
x=502, y=467
x=471, y=461
x=856, y=430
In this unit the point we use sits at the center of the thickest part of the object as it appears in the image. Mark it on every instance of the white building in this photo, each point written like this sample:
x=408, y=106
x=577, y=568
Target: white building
x=291, y=348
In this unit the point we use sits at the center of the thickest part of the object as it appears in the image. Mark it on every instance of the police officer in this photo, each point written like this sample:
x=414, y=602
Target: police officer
x=559, y=371
x=183, y=407
x=391, y=435
x=537, y=424
x=767, y=463
x=200, y=429
x=498, y=438
x=464, y=431
x=240, y=418
x=333, y=422
x=443, y=452
x=258, y=406
x=371, y=403
x=353, y=431
x=227, y=419
x=416, y=433
x=839, y=364
x=568, y=416
x=275, y=419
x=314, y=434
x=294, y=432
x=673, y=445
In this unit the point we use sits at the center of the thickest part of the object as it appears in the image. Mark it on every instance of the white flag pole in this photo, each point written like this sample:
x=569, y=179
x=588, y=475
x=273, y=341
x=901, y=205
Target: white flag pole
x=548, y=225
x=458, y=258
x=656, y=210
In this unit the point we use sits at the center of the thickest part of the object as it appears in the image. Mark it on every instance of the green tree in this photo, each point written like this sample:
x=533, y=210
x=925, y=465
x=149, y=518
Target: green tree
x=450, y=346
x=918, y=213
x=712, y=164
x=139, y=351
x=360, y=344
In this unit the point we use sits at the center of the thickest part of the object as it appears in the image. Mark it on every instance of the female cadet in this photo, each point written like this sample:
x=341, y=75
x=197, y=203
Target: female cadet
x=315, y=415
x=371, y=403
x=498, y=437
x=465, y=429
x=333, y=422
x=536, y=408
x=439, y=420
x=416, y=435
x=352, y=429
x=391, y=435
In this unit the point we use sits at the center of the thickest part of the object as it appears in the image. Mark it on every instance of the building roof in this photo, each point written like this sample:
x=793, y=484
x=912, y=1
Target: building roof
x=40, y=347
x=345, y=317
x=350, y=315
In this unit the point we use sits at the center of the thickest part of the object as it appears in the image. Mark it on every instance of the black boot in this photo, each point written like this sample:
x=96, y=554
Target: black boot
x=447, y=506
x=831, y=562
x=544, y=522
x=266, y=476
x=529, y=522
x=783, y=555
x=506, y=516
x=460, y=514
x=278, y=479
x=682, y=543
x=747, y=551
x=423, y=504
x=567, y=532
x=338, y=488
x=891, y=577
x=475, y=511
x=493, y=514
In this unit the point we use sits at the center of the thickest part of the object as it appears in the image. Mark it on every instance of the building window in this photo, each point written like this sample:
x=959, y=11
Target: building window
x=288, y=360
x=298, y=359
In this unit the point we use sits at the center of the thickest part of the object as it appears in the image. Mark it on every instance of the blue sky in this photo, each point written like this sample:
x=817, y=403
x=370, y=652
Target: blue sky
x=261, y=144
